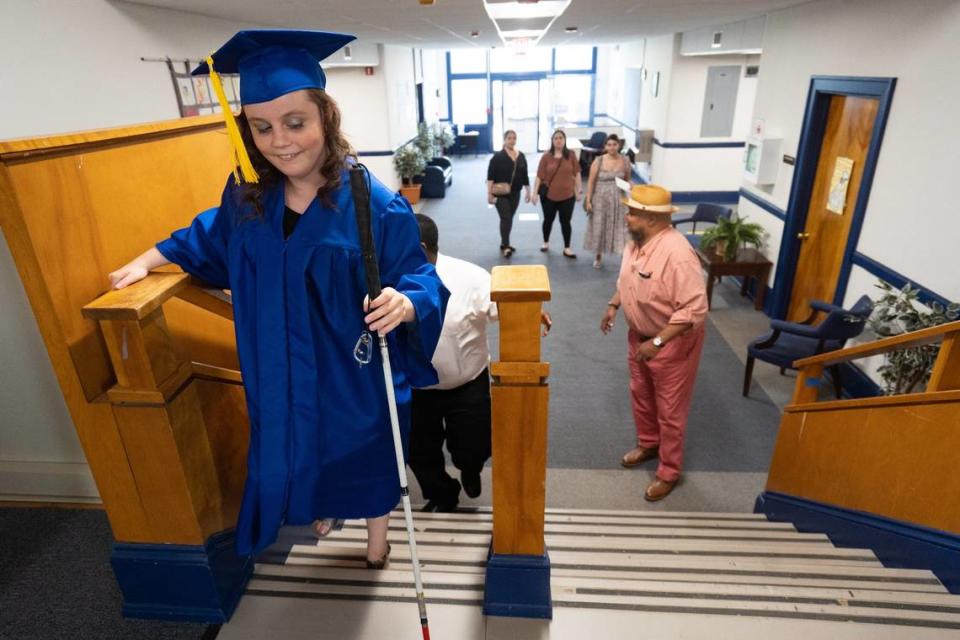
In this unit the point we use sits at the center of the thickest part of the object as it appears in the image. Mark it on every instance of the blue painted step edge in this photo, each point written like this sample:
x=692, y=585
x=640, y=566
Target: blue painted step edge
x=896, y=544
x=181, y=582
x=518, y=586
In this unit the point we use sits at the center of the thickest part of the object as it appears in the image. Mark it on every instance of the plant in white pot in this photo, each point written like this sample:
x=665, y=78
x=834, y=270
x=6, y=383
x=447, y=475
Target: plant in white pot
x=409, y=162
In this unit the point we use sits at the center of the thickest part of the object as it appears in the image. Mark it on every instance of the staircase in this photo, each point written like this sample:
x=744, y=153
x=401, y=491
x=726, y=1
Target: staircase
x=615, y=574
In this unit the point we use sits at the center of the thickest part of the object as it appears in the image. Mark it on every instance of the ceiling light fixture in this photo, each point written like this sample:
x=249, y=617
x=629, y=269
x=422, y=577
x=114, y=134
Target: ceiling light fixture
x=571, y=29
x=474, y=34
x=519, y=10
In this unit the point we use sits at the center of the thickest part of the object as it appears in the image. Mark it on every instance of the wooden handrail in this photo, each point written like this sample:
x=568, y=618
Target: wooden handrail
x=903, y=341
x=215, y=301
x=137, y=301
x=907, y=399
x=11, y=150
x=217, y=374
x=142, y=298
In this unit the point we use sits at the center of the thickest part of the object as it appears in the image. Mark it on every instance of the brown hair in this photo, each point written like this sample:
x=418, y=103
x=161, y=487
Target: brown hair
x=335, y=152
x=566, y=151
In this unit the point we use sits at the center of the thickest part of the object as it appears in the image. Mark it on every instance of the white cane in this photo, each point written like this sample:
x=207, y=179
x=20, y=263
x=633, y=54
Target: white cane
x=361, y=200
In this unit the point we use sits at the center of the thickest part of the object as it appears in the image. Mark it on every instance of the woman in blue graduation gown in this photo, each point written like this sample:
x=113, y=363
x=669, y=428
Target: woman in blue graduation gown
x=286, y=244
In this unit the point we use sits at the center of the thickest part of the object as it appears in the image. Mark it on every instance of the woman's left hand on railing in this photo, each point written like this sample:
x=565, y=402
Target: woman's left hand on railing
x=137, y=269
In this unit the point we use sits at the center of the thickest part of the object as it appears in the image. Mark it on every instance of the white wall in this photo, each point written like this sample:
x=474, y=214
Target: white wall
x=702, y=169
x=434, y=84
x=911, y=224
x=73, y=65
x=655, y=110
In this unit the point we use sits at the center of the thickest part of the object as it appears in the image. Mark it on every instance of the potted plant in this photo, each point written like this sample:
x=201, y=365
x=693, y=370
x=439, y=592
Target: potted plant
x=424, y=142
x=898, y=311
x=409, y=162
x=727, y=236
x=443, y=137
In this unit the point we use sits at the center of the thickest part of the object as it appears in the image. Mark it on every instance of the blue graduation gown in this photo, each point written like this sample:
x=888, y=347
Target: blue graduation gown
x=320, y=438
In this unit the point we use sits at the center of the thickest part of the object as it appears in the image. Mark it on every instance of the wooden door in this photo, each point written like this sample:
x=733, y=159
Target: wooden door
x=846, y=137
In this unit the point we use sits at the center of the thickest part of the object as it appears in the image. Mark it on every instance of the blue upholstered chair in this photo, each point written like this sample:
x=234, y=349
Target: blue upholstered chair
x=591, y=149
x=705, y=213
x=436, y=177
x=788, y=342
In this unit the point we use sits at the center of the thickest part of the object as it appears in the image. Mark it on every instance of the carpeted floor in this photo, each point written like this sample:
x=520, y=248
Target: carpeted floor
x=56, y=581
x=590, y=420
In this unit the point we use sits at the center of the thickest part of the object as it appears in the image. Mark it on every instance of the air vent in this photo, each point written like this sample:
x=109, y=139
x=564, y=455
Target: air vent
x=717, y=37
x=752, y=71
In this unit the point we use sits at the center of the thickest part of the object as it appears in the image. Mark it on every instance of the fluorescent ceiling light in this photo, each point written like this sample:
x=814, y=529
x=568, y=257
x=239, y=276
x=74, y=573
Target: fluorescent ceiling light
x=509, y=11
x=542, y=9
x=522, y=33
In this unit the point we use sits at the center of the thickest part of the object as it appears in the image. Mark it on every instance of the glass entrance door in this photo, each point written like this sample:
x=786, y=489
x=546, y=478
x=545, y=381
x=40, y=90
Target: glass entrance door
x=516, y=106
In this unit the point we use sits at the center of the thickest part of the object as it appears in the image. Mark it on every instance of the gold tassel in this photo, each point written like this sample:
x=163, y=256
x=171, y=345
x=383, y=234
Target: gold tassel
x=247, y=171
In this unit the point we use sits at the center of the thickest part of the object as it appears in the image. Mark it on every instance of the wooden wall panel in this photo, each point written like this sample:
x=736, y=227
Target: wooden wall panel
x=896, y=461
x=75, y=207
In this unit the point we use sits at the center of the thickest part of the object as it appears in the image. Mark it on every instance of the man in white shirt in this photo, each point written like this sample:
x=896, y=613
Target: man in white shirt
x=457, y=410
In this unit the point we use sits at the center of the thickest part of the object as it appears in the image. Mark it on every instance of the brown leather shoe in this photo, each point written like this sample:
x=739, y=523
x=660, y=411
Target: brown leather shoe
x=637, y=456
x=659, y=489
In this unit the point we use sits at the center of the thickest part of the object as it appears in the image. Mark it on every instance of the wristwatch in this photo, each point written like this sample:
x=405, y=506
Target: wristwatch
x=657, y=342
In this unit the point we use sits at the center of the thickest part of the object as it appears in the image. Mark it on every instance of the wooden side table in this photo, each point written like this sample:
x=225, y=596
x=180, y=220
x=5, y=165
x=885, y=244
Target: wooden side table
x=749, y=263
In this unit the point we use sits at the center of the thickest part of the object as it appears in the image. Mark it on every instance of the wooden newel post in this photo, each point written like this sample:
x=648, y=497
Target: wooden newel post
x=518, y=569
x=184, y=565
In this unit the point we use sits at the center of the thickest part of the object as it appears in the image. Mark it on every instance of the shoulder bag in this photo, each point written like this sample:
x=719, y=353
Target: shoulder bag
x=500, y=189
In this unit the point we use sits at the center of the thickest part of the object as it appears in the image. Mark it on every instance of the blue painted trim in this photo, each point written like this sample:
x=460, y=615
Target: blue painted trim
x=856, y=383
x=518, y=586
x=637, y=178
x=884, y=272
x=181, y=582
x=371, y=154
x=593, y=83
x=699, y=145
x=449, y=90
x=719, y=197
x=822, y=88
x=763, y=204
x=896, y=543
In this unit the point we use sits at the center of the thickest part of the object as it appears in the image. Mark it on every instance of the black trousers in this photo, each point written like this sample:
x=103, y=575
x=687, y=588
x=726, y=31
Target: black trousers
x=460, y=416
x=506, y=207
x=565, y=209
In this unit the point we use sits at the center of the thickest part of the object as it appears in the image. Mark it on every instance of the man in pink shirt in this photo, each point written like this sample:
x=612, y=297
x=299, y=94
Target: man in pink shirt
x=664, y=300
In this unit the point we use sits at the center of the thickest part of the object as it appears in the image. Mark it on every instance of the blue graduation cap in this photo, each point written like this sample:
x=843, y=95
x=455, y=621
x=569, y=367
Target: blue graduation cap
x=271, y=63
x=275, y=62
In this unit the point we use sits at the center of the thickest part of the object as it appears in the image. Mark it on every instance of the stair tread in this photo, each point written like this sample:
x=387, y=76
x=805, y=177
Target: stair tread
x=402, y=576
x=742, y=604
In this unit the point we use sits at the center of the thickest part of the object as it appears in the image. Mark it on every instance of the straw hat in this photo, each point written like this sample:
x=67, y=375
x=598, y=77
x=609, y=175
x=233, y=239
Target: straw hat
x=647, y=197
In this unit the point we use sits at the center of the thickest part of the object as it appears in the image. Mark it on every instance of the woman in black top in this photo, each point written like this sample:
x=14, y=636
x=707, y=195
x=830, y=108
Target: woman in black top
x=508, y=165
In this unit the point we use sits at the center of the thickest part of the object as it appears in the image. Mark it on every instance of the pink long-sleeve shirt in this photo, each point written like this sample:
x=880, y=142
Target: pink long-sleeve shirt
x=661, y=283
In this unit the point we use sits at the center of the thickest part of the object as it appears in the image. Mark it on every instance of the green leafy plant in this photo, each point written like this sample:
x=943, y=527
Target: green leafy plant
x=409, y=162
x=424, y=141
x=727, y=236
x=899, y=311
x=443, y=136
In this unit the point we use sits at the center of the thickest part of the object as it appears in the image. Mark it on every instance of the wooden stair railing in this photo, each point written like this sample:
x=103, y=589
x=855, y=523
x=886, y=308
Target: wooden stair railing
x=892, y=456
x=518, y=570
x=185, y=487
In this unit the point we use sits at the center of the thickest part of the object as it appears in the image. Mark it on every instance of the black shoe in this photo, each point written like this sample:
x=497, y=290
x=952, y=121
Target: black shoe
x=434, y=506
x=471, y=484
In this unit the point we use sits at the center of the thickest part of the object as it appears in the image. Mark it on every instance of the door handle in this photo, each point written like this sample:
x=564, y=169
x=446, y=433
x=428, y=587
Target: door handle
x=803, y=236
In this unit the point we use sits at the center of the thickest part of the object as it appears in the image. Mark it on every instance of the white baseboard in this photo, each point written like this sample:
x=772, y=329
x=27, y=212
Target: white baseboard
x=47, y=482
